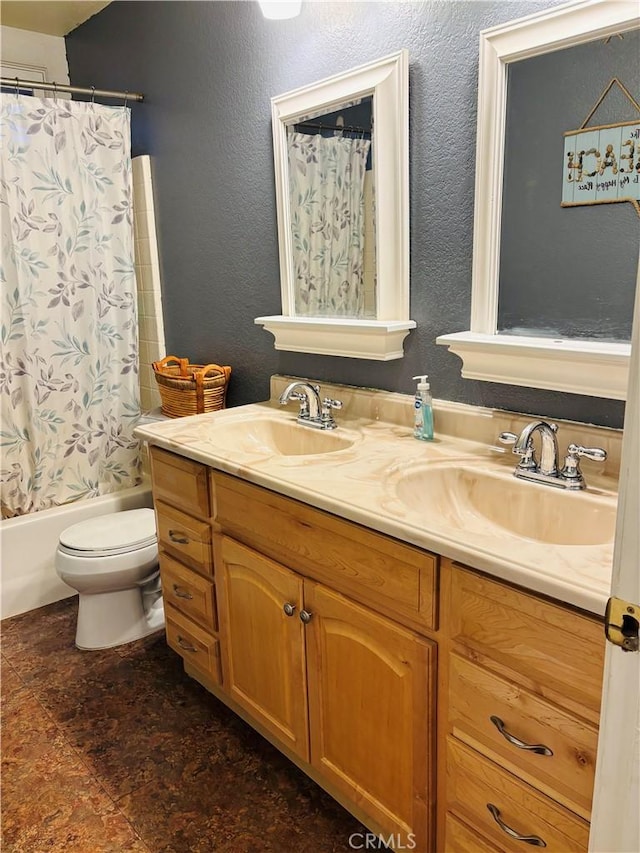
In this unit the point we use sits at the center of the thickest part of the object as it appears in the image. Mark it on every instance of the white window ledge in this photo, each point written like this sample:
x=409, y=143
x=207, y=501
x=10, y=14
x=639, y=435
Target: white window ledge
x=595, y=369
x=378, y=340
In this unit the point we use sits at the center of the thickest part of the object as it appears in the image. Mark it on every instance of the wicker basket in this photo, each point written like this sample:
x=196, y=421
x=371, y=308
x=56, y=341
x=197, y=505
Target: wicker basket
x=190, y=389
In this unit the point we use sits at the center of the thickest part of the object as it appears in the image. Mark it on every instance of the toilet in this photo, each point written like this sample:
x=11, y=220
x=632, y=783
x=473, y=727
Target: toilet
x=112, y=561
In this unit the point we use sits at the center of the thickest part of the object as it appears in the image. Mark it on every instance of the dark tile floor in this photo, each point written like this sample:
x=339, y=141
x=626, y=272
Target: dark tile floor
x=118, y=751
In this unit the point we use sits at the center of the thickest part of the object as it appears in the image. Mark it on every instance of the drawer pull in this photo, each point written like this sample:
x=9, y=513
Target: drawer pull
x=180, y=593
x=185, y=645
x=305, y=616
x=538, y=748
x=289, y=609
x=177, y=538
x=534, y=840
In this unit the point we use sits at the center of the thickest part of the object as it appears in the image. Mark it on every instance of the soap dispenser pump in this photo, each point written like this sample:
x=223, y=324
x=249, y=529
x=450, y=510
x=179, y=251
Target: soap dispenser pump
x=423, y=410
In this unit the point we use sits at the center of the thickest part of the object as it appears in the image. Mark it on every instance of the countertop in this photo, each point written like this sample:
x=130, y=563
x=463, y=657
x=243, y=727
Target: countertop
x=360, y=483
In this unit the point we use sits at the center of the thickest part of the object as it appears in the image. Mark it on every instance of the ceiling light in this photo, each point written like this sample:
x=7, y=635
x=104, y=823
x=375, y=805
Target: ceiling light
x=280, y=9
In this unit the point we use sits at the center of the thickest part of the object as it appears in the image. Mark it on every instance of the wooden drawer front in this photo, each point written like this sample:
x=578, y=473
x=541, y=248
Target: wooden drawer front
x=476, y=695
x=474, y=782
x=460, y=838
x=189, y=592
x=185, y=537
x=379, y=571
x=180, y=482
x=557, y=652
x=192, y=643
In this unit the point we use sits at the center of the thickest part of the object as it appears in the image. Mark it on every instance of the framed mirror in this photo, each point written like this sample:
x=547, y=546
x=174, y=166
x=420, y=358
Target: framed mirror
x=545, y=358
x=341, y=154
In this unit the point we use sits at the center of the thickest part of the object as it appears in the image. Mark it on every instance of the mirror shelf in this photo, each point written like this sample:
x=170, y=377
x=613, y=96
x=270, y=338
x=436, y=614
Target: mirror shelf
x=579, y=366
x=381, y=336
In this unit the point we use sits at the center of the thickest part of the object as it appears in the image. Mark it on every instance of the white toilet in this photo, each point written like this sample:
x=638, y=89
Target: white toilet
x=112, y=561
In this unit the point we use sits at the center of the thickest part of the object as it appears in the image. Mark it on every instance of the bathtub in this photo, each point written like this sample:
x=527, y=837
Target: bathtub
x=28, y=545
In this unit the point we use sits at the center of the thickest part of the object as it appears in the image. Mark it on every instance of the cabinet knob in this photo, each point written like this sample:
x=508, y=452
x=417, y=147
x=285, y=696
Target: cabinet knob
x=538, y=748
x=305, y=616
x=289, y=609
x=534, y=840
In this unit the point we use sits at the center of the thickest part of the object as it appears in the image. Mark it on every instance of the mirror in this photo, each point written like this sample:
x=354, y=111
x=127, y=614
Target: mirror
x=342, y=198
x=534, y=358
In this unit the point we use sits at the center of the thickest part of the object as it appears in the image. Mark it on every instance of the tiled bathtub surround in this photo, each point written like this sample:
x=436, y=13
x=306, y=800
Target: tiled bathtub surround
x=150, y=317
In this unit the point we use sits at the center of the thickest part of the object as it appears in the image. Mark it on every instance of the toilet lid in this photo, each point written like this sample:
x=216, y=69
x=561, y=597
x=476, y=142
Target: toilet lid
x=118, y=532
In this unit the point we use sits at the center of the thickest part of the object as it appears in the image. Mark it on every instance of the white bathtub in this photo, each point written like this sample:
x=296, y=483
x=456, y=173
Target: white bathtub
x=28, y=546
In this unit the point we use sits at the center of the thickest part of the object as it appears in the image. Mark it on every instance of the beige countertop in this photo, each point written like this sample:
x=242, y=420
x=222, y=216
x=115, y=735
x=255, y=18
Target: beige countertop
x=370, y=482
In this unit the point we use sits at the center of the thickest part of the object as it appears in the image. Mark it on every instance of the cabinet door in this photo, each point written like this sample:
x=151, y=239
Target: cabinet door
x=370, y=712
x=264, y=647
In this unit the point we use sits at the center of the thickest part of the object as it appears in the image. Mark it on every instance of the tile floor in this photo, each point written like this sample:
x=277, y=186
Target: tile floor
x=119, y=751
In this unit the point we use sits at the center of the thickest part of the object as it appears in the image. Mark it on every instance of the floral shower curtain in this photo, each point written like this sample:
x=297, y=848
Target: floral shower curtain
x=326, y=189
x=68, y=330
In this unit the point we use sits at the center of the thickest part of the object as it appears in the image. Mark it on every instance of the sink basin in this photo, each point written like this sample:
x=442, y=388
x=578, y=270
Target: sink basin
x=283, y=437
x=497, y=504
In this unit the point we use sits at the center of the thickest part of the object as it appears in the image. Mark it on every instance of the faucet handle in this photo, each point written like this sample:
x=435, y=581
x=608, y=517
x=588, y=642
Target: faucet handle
x=527, y=458
x=571, y=473
x=325, y=414
x=596, y=454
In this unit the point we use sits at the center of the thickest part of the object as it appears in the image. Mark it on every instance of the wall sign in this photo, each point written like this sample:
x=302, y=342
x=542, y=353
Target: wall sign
x=602, y=163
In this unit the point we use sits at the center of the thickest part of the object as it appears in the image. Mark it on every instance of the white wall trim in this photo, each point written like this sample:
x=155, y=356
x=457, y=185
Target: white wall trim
x=378, y=340
x=563, y=26
x=578, y=367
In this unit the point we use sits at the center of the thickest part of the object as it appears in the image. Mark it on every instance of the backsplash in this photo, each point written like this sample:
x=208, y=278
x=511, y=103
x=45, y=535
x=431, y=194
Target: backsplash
x=459, y=420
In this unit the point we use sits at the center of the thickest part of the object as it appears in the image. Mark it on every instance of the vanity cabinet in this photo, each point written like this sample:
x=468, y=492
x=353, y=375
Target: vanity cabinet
x=332, y=641
x=181, y=498
x=346, y=690
x=521, y=687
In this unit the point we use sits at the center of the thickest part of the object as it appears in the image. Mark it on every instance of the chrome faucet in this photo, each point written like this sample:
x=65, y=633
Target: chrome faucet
x=313, y=412
x=547, y=470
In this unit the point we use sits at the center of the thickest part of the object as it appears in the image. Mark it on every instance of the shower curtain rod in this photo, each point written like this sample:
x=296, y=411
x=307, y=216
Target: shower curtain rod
x=18, y=83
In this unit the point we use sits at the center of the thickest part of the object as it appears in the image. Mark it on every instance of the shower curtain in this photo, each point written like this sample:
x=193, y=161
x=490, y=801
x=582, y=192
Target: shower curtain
x=326, y=192
x=68, y=331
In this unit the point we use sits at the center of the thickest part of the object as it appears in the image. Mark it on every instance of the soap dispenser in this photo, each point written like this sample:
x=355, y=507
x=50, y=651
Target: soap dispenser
x=423, y=410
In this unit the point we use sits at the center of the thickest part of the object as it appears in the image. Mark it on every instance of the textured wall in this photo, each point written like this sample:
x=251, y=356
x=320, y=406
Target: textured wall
x=208, y=70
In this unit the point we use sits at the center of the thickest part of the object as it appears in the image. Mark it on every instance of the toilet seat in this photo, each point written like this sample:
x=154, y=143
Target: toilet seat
x=110, y=535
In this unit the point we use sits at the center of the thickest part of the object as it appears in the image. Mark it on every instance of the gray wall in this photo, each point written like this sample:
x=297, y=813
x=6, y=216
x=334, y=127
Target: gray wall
x=208, y=70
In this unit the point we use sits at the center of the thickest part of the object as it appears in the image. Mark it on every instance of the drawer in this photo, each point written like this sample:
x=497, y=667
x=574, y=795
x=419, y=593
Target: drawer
x=188, y=592
x=193, y=644
x=185, y=537
x=476, y=695
x=376, y=570
x=557, y=652
x=460, y=838
x=180, y=482
x=474, y=783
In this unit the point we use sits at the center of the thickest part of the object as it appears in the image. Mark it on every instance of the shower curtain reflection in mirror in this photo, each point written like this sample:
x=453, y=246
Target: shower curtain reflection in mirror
x=327, y=199
x=68, y=334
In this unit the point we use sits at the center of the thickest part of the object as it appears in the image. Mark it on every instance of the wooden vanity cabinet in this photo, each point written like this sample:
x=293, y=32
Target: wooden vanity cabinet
x=181, y=498
x=346, y=690
x=519, y=699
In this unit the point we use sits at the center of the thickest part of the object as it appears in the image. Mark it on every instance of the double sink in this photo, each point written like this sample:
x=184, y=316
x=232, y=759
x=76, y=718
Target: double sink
x=478, y=496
